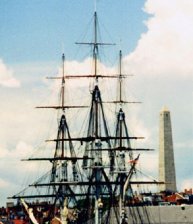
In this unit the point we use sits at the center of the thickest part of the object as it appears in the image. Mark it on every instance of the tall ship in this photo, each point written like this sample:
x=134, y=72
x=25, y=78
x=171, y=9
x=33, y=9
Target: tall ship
x=93, y=169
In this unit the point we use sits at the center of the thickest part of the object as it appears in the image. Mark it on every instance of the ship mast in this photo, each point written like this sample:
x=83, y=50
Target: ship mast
x=61, y=150
x=97, y=122
x=121, y=127
x=121, y=130
x=64, y=162
x=100, y=173
x=65, y=172
x=95, y=48
x=120, y=77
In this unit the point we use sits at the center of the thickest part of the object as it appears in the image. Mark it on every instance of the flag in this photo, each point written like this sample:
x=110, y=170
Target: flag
x=134, y=161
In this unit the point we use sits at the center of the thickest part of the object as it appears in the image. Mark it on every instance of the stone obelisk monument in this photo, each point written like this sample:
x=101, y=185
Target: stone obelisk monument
x=166, y=154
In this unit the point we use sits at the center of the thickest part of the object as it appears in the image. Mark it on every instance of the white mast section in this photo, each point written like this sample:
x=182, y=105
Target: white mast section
x=29, y=211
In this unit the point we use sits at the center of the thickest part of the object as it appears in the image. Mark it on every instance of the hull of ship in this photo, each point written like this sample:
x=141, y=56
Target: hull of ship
x=152, y=215
x=160, y=214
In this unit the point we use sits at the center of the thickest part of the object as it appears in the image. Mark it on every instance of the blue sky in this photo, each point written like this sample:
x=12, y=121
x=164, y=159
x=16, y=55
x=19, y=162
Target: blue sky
x=41, y=30
x=157, y=42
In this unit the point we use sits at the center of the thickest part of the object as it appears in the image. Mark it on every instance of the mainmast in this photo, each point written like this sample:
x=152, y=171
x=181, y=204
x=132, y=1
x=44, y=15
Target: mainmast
x=100, y=170
x=95, y=48
x=63, y=81
x=120, y=77
x=97, y=128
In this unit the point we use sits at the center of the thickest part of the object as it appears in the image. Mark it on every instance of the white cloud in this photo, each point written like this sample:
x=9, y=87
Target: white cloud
x=21, y=151
x=166, y=49
x=6, y=76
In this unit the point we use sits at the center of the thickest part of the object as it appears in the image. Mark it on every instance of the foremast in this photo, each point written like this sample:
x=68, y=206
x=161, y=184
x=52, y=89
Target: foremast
x=65, y=173
x=63, y=150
